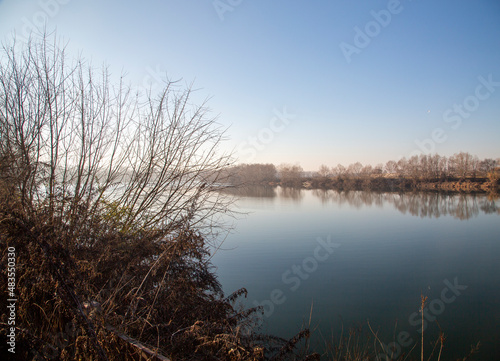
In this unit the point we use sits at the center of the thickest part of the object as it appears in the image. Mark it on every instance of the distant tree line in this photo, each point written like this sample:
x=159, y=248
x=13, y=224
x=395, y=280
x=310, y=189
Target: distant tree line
x=266, y=174
x=424, y=171
x=424, y=167
x=251, y=174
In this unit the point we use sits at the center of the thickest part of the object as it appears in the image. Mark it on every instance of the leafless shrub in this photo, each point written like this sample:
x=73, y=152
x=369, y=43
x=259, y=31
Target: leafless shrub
x=110, y=200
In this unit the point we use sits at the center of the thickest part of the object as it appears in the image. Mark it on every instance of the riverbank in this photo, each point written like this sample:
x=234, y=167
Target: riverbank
x=388, y=184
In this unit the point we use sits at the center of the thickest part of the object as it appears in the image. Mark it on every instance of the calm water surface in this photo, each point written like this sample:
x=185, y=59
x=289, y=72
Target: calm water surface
x=362, y=256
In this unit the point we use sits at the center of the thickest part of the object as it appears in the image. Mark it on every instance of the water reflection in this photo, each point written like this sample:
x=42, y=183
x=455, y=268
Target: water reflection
x=295, y=194
x=384, y=263
x=423, y=204
x=252, y=191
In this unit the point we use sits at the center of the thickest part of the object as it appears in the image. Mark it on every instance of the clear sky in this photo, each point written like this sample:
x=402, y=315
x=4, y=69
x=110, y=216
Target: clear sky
x=309, y=82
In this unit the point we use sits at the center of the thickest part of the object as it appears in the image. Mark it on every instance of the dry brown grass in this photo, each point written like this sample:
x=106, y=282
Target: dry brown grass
x=153, y=287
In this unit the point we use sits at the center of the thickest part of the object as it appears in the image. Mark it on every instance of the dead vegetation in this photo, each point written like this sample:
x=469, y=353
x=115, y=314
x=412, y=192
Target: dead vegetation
x=109, y=199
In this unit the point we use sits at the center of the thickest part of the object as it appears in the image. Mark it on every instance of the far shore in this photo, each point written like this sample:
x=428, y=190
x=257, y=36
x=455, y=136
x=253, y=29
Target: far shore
x=388, y=184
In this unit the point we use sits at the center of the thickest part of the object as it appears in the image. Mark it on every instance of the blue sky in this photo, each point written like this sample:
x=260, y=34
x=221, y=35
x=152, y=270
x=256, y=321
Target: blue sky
x=364, y=81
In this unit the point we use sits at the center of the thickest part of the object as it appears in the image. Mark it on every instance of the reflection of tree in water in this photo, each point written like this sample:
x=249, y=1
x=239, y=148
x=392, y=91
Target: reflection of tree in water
x=467, y=207
x=324, y=195
x=489, y=206
x=425, y=205
x=352, y=198
x=435, y=205
x=295, y=194
x=422, y=205
x=252, y=191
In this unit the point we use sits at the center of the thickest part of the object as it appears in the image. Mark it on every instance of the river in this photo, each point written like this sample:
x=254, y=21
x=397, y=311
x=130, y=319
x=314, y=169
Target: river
x=359, y=256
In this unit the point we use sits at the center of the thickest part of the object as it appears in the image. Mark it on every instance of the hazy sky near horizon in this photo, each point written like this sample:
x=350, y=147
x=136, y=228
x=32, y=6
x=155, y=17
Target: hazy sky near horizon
x=323, y=82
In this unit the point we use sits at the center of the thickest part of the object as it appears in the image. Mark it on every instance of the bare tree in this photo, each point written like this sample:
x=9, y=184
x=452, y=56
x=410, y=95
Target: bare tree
x=391, y=167
x=290, y=175
x=340, y=170
x=403, y=168
x=355, y=169
x=463, y=164
x=324, y=171
x=366, y=171
x=413, y=167
x=252, y=174
x=77, y=141
x=378, y=169
x=487, y=165
x=109, y=197
x=436, y=168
